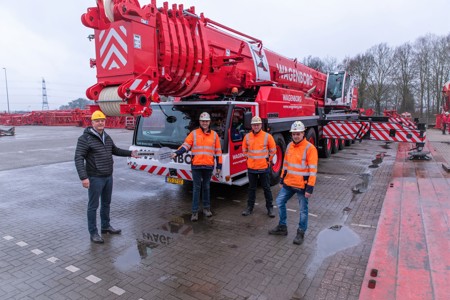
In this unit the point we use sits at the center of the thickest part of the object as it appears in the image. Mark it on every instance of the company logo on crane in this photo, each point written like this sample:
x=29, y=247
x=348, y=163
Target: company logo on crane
x=113, y=48
x=294, y=75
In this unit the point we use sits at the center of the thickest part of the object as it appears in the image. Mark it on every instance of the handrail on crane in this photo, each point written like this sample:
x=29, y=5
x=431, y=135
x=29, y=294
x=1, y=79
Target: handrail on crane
x=253, y=39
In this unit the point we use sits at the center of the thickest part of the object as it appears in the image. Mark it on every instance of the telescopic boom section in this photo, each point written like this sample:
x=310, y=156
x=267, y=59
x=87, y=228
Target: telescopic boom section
x=144, y=52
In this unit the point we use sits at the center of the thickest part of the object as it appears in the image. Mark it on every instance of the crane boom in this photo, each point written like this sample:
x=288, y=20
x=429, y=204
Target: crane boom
x=144, y=52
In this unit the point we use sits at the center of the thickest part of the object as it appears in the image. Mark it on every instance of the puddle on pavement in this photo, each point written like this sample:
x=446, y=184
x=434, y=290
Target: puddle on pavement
x=329, y=242
x=378, y=160
x=386, y=146
x=128, y=260
x=149, y=240
x=362, y=187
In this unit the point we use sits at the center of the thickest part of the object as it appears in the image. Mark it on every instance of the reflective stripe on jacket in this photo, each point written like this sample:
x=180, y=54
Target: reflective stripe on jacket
x=300, y=165
x=204, y=147
x=259, y=149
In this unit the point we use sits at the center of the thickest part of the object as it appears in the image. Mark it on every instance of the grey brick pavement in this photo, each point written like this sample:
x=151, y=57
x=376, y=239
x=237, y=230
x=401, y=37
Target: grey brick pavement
x=226, y=257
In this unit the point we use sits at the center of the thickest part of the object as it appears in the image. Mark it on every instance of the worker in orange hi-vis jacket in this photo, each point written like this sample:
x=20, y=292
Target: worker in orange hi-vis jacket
x=445, y=123
x=259, y=148
x=204, y=144
x=298, y=177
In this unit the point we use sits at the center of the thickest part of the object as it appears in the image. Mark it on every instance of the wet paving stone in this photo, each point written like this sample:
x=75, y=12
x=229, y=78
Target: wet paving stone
x=161, y=254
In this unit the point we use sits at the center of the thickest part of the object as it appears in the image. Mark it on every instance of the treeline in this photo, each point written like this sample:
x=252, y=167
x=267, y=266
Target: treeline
x=80, y=103
x=408, y=78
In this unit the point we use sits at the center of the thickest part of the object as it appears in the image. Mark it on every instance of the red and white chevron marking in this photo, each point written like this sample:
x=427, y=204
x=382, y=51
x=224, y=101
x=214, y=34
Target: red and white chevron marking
x=348, y=130
x=113, y=48
x=380, y=132
x=402, y=121
x=163, y=171
x=142, y=85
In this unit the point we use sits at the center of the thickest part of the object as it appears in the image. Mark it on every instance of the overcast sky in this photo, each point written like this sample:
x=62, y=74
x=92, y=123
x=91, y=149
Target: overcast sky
x=45, y=38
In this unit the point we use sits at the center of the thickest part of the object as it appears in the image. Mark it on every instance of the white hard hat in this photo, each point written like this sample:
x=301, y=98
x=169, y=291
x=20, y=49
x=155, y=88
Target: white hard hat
x=256, y=120
x=297, y=126
x=204, y=116
x=446, y=113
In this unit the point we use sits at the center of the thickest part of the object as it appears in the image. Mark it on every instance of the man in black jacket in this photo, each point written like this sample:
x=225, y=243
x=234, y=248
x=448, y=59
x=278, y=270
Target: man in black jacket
x=94, y=163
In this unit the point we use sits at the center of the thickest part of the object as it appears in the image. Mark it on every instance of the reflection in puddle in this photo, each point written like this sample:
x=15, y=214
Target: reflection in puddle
x=163, y=236
x=377, y=161
x=387, y=145
x=329, y=242
x=128, y=260
x=145, y=248
x=363, y=186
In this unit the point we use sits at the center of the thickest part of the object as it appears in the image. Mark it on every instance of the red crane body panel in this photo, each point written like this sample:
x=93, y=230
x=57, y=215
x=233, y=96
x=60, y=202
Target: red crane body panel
x=150, y=51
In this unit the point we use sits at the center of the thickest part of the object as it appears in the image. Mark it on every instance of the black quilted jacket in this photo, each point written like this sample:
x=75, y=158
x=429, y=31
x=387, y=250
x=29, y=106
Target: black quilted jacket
x=93, y=157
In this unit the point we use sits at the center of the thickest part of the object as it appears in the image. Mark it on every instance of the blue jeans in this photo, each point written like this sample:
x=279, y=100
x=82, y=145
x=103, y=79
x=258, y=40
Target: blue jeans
x=99, y=187
x=201, y=179
x=283, y=197
x=253, y=182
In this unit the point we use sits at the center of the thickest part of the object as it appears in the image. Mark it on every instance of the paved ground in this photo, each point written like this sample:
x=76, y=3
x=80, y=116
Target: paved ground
x=411, y=245
x=45, y=252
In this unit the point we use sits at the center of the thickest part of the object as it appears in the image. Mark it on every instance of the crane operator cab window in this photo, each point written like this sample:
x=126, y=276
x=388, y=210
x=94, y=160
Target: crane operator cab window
x=170, y=124
x=218, y=122
x=335, y=85
x=237, y=125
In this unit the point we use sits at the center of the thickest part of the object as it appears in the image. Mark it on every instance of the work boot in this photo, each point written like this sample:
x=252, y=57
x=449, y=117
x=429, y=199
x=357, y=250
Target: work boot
x=299, y=238
x=194, y=217
x=270, y=212
x=207, y=212
x=248, y=211
x=95, y=238
x=279, y=230
x=111, y=230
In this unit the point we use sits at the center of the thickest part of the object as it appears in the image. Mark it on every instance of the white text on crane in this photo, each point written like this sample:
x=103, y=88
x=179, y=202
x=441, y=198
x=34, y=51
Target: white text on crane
x=294, y=75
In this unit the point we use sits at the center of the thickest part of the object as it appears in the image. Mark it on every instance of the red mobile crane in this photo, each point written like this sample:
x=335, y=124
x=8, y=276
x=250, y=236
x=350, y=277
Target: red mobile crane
x=144, y=52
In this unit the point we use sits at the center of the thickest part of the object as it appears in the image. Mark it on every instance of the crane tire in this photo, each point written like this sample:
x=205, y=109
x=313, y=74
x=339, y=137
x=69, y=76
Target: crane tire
x=325, y=148
x=277, y=168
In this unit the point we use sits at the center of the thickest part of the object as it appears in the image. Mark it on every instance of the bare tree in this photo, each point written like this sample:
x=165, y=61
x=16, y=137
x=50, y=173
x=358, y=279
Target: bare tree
x=381, y=76
x=422, y=61
x=439, y=66
x=314, y=62
x=330, y=64
x=404, y=78
x=409, y=78
x=360, y=68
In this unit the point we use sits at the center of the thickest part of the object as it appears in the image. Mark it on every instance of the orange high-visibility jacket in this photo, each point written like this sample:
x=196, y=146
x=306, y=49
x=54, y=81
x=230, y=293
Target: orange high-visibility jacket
x=300, y=165
x=204, y=147
x=259, y=149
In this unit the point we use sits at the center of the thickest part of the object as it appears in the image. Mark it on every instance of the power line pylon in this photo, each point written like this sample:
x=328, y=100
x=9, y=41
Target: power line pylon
x=44, y=96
